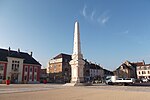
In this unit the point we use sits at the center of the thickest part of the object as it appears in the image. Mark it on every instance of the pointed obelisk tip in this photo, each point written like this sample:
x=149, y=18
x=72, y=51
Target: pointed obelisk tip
x=76, y=26
x=76, y=21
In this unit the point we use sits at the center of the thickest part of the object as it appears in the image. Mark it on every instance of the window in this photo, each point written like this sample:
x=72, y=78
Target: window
x=148, y=72
x=54, y=68
x=35, y=77
x=145, y=68
x=143, y=72
x=12, y=66
x=26, y=69
x=30, y=69
x=35, y=70
x=18, y=65
x=30, y=77
x=1, y=77
x=2, y=66
x=25, y=77
x=15, y=65
x=139, y=72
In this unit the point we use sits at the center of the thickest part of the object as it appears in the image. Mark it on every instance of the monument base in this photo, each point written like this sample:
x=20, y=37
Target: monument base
x=77, y=84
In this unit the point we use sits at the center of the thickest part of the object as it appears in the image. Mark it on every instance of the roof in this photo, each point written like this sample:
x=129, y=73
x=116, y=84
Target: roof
x=125, y=66
x=28, y=59
x=139, y=63
x=62, y=55
x=94, y=66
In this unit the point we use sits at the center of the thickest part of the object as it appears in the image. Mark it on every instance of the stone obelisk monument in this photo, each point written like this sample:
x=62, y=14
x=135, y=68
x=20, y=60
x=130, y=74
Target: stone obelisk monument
x=77, y=62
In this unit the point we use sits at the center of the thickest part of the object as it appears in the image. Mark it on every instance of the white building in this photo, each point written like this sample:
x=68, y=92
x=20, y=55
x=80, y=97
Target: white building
x=143, y=71
x=96, y=71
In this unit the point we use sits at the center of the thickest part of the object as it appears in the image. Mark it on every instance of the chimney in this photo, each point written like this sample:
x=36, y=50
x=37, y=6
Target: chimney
x=31, y=53
x=143, y=62
x=18, y=50
x=9, y=49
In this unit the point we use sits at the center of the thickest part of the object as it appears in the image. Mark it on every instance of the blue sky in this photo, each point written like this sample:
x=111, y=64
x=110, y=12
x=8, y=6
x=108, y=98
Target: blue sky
x=112, y=31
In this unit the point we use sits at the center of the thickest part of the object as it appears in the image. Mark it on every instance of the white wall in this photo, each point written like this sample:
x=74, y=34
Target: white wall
x=96, y=72
x=145, y=69
x=9, y=67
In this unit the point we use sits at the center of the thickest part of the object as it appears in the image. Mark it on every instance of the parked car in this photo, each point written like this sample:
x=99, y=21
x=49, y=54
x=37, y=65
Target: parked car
x=110, y=80
x=144, y=80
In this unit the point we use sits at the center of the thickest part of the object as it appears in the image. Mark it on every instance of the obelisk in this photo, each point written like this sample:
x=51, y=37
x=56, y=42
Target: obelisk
x=77, y=62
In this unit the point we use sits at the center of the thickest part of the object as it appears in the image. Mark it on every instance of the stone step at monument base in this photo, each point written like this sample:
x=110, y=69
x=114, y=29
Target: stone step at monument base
x=77, y=84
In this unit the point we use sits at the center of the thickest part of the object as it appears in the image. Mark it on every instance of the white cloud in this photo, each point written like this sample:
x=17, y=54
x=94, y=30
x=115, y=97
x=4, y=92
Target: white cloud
x=105, y=19
x=126, y=32
x=92, y=15
x=84, y=11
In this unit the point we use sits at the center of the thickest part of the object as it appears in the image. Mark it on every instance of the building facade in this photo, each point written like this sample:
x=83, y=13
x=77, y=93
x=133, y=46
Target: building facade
x=128, y=69
x=19, y=67
x=96, y=72
x=59, y=68
x=143, y=71
x=43, y=75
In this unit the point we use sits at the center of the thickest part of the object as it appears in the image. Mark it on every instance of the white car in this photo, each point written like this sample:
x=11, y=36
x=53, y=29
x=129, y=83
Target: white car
x=144, y=80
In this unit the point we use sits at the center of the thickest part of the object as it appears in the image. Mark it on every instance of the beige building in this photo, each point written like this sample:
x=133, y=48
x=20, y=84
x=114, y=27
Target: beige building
x=128, y=69
x=59, y=68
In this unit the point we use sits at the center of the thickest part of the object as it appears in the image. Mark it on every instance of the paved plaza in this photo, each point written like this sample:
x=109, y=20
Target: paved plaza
x=60, y=92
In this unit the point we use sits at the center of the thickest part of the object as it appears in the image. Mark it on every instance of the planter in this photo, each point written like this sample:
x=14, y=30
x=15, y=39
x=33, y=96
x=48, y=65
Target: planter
x=7, y=82
x=44, y=81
